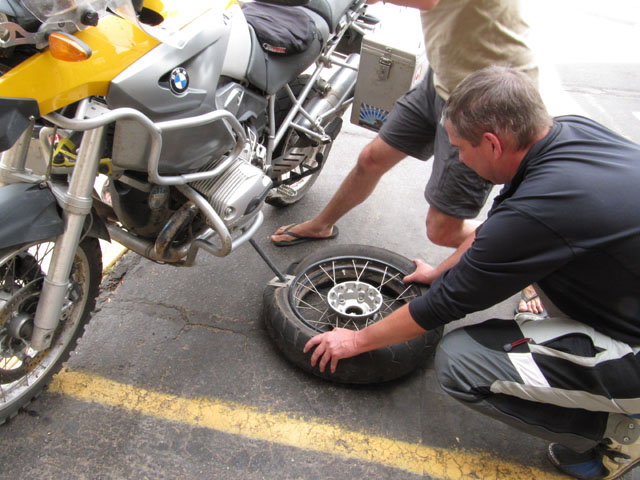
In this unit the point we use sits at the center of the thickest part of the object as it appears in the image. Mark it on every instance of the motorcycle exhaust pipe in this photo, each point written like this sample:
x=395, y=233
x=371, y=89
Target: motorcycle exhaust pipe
x=339, y=86
x=146, y=248
x=176, y=224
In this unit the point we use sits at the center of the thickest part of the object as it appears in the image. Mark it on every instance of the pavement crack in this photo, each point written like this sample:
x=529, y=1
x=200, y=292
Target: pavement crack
x=185, y=317
x=184, y=313
x=213, y=328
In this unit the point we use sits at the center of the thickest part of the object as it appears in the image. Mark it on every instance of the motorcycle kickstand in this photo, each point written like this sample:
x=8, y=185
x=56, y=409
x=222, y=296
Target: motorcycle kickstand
x=281, y=280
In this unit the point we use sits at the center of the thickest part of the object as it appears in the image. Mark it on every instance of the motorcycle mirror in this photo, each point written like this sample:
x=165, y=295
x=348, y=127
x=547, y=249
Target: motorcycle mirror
x=64, y=46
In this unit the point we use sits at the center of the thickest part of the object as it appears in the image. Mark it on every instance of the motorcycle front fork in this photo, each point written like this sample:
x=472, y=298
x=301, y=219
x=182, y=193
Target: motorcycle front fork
x=76, y=203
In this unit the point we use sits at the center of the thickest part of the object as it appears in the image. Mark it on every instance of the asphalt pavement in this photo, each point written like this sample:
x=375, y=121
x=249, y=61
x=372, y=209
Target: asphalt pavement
x=194, y=337
x=176, y=376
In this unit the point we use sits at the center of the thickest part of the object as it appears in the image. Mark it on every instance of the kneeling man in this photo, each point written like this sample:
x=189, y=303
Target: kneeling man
x=568, y=221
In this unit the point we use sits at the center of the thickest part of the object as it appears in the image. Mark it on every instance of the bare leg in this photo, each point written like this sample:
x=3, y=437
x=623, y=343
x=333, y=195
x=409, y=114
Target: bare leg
x=456, y=233
x=448, y=231
x=425, y=273
x=374, y=161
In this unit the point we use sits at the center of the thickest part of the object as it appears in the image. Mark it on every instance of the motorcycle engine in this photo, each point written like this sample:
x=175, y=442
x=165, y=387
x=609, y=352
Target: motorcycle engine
x=238, y=194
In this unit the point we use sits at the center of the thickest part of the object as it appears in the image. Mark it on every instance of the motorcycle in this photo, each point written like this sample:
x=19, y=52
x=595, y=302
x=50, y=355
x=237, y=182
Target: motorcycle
x=198, y=113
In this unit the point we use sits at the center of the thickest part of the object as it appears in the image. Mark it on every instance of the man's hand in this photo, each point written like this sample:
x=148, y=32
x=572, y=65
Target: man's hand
x=424, y=273
x=332, y=346
x=340, y=343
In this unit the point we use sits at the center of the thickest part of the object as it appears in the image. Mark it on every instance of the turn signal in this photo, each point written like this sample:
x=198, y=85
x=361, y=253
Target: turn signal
x=68, y=48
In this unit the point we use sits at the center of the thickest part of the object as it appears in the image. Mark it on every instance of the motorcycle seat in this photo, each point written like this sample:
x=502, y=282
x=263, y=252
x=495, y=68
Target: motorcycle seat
x=330, y=10
x=271, y=71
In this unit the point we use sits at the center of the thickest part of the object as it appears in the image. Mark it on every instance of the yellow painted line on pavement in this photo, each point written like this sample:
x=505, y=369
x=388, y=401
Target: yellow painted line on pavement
x=286, y=429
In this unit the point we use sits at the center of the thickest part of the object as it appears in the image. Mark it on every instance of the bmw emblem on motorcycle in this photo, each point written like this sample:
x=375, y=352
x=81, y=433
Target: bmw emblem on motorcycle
x=179, y=81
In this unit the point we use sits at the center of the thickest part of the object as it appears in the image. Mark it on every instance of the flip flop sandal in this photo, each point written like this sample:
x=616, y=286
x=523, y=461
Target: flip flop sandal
x=302, y=238
x=524, y=297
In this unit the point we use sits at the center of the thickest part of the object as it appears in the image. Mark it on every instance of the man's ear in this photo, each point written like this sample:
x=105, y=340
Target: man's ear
x=494, y=143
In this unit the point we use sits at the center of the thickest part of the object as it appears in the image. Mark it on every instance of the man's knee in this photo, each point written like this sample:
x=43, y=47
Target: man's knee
x=452, y=367
x=466, y=368
x=378, y=157
x=444, y=230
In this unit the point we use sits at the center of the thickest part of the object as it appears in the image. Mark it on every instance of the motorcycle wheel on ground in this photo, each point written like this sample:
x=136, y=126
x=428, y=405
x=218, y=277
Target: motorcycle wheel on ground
x=24, y=374
x=348, y=286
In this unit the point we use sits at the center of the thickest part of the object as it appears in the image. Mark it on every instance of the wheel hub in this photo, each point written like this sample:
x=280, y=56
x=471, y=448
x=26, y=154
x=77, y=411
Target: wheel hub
x=355, y=300
x=21, y=327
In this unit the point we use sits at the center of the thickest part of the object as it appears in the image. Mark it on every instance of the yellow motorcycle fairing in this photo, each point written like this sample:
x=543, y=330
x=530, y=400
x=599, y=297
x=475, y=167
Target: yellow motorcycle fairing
x=115, y=44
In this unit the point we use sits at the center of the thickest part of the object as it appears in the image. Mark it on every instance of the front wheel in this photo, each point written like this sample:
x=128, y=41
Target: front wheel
x=347, y=286
x=23, y=373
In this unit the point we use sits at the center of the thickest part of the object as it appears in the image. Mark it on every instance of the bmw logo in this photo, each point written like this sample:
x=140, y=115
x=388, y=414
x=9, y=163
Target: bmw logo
x=179, y=81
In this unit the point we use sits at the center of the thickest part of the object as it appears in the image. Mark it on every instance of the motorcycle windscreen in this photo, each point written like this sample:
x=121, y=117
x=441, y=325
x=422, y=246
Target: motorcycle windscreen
x=59, y=12
x=176, y=15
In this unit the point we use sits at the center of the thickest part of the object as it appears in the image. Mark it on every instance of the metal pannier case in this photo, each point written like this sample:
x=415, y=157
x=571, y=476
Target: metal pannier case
x=389, y=67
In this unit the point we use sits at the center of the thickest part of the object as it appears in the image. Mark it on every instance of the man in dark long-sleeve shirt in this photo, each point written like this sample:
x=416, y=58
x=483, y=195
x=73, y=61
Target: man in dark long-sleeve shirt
x=568, y=219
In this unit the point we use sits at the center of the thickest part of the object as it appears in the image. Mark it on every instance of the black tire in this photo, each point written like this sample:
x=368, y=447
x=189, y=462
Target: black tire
x=21, y=278
x=290, y=329
x=302, y=154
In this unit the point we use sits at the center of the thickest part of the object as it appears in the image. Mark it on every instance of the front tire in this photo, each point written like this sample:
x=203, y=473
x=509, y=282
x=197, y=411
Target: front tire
x=22, y=271
x=296, y=312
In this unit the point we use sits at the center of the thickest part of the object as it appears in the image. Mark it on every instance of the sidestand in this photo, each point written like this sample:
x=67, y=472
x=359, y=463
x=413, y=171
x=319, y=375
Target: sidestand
x=282, y=279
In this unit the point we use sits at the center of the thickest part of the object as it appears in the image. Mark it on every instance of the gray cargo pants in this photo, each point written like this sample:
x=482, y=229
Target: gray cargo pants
x=555, y=378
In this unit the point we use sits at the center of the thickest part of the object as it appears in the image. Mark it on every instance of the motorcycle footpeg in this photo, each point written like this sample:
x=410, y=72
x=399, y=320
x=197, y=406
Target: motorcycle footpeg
x=286, y=191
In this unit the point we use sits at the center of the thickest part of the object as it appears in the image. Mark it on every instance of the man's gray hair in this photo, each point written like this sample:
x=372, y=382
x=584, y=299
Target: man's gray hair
x=499, y=100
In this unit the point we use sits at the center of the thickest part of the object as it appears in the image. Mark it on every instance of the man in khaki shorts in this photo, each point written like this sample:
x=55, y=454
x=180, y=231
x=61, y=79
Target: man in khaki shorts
x=461, y=36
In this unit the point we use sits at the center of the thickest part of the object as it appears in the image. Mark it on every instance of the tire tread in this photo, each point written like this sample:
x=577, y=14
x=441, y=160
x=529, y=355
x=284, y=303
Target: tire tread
x=92, y=250
x=290, y=334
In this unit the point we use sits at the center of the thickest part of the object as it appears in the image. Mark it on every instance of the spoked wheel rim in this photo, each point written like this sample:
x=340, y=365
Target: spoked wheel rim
x=20, y=290
x=348, y=292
